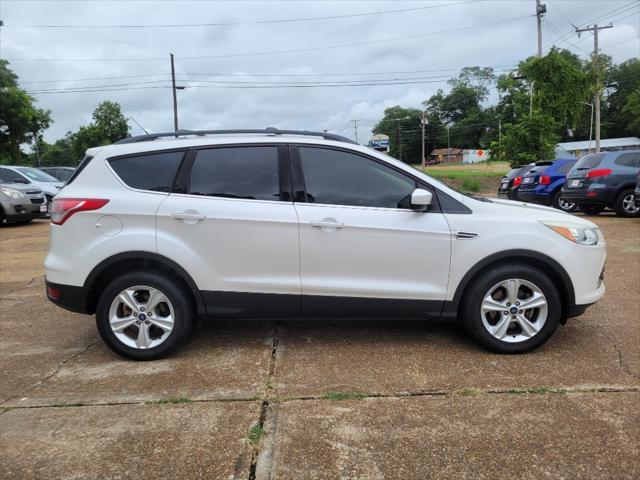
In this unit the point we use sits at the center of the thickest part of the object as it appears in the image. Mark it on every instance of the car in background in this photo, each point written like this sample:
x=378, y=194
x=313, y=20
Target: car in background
x=543, y=184
x=21, y=203
x=636, y=193
x=605, y=179
x=62, y=174
x=511, y=181
x=31, y=176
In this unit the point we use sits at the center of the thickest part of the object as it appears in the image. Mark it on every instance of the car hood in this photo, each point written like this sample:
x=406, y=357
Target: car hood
x=21, y=187
x=534, y=212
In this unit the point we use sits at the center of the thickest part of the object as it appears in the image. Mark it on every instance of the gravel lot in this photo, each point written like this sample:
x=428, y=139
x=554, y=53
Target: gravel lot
x=315, y=400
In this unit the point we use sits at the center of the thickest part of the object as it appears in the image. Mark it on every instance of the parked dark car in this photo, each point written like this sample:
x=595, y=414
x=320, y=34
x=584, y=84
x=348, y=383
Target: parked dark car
x=60, y=173
x=543, y=184
x=605, y=179
x=636, y=193
x=511, y=181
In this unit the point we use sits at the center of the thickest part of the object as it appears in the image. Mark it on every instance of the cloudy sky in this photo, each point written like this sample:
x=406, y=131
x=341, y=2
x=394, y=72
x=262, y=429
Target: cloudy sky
x=290, y=64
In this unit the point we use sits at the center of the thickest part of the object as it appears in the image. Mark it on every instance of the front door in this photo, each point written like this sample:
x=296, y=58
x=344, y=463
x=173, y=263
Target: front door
x=362, y=249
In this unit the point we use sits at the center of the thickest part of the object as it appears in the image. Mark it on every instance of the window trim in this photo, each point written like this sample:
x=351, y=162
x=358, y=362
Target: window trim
x=108, y=160
x=284, y=173
x=296, y=163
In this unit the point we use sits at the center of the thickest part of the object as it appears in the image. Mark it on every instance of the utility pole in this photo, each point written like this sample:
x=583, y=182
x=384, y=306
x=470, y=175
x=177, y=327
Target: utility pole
x=355, y=128
x=448, y=146
x=540, y=10
x=500, y=137
x=175, y=100
x=423, y=123
x=596, y=66
x=401, y=146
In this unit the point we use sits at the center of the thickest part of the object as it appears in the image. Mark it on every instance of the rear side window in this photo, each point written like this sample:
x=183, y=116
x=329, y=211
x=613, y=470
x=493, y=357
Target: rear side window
x=236, y=172
x=629, y=160
x=565, y=167
x=589, y=161
x=154, y=172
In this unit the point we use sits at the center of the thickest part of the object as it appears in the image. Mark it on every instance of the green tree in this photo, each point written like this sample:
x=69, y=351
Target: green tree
x=109, y=125
x=530, y=139
x=622, y=81
x=632, y=110
x=20, y=120
x=402, y=126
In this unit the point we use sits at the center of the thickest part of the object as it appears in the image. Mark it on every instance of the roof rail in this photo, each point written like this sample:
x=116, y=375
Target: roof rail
x=266, y=131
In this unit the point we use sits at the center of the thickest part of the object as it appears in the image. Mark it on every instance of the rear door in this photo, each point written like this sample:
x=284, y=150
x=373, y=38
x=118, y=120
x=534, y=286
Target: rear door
x=231, y=223
x=362, y=249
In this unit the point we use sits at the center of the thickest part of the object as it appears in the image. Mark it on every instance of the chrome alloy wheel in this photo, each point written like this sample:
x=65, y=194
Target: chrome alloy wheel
x=514, y=310
x=629, y=205
x=566, y=205
x=141, y=317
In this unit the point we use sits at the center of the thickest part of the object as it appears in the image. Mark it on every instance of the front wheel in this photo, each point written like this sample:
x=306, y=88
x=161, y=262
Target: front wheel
x=562, y=204
x=512, y=309
x=144, y=315
x=625, y=205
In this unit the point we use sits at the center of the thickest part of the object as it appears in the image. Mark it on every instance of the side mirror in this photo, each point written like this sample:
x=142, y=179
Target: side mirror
x=421, y=200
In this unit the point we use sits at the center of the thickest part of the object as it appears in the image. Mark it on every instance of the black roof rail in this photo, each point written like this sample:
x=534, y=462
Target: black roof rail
x=266, y=131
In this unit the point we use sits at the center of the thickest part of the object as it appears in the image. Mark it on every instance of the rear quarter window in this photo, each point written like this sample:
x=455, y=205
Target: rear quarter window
x=154, y=171
x=628, y=160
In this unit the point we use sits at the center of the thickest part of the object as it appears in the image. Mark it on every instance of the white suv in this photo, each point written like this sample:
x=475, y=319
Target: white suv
x=156, y=229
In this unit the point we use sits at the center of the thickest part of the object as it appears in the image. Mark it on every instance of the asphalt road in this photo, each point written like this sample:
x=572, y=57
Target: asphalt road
x=315, y=400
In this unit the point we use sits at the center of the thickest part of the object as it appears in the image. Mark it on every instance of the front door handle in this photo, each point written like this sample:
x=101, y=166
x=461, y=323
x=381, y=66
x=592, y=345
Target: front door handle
x=327, y=223
x=190, y=216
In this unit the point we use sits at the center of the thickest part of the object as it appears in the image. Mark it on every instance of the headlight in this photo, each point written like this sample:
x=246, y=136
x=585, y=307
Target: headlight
x=11, y=192
x=580, y=235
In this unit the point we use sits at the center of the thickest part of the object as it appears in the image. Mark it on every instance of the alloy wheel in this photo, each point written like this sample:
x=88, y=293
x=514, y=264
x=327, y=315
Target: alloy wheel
x=514, y=310
x=141, y=317
x=629, y=205
x=566, y=205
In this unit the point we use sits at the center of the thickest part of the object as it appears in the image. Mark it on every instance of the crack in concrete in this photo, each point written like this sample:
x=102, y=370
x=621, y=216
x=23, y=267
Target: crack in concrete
x=600, y=331
x=61, y=364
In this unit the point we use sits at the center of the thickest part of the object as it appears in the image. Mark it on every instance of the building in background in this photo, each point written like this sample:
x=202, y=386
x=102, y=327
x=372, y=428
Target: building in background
x=380, y=142
x=446, y=155
x=578, y=149
x=470, y=155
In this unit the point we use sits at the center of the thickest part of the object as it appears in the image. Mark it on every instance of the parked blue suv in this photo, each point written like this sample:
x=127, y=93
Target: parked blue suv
x=543, y=184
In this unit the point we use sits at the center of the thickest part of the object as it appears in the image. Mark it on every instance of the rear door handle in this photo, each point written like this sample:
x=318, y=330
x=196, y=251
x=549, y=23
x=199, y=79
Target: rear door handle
x=189, y=216
x=327, y=223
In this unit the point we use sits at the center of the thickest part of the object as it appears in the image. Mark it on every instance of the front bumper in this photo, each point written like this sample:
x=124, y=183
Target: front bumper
x=16, y=211
x=68, y=297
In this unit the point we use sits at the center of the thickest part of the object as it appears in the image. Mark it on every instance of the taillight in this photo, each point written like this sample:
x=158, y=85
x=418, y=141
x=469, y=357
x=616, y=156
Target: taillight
x=517, y=181
x=600, y=172
x=63, y=208
x=545, y=180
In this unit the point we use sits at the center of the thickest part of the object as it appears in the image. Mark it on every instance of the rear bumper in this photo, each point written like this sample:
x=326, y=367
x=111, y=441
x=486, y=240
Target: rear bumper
x=534, y=196
x=68, y=297
x=594, y=196
x=508, y=194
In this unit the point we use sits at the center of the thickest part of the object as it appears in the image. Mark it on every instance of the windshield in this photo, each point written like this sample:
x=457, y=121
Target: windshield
x=37, y=175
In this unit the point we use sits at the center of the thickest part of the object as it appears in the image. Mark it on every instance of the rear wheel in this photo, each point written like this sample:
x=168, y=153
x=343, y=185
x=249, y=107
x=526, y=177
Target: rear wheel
x=561, y=204
x=144, y=315
x=512, y=309
x=625, y=205
x=591, y=209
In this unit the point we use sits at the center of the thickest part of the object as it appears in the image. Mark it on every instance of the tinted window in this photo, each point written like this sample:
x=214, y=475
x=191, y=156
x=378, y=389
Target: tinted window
x=147, y=172
x=64, y=174
x=9, y=176
x=591, y=160
x=565, y=167
x=341, y=178
x=241, y=172
x=629, y=160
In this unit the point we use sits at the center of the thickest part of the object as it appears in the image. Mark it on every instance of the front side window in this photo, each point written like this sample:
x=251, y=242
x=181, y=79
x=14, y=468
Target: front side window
x=154, y=172
x=9, y=176
x=236, y=172
x=336, y=177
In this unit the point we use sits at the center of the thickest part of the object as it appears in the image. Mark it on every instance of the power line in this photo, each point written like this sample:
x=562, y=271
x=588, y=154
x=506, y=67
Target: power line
x=253, y=22
x=278, y=52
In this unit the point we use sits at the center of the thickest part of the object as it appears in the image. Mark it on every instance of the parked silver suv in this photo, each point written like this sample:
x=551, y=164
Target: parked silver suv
x=21, y=203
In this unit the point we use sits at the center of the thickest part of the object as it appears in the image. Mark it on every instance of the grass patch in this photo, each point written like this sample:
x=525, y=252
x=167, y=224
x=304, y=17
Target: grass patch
x=165, y=401
x=536, y=391
x=256, y=433
x=471, y=184
x=453, y=174
x=469, y=392
x=342, y=396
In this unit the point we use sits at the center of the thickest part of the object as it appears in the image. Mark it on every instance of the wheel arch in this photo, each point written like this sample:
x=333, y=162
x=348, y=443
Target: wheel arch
x=546, y=264
x=109, y=268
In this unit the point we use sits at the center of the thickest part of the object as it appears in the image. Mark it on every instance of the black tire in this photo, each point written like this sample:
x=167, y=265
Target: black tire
x=1, y=216
x=471, y=315
x=555, y=203
x=590, y=209
x=180, y=298
x=618, y=205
